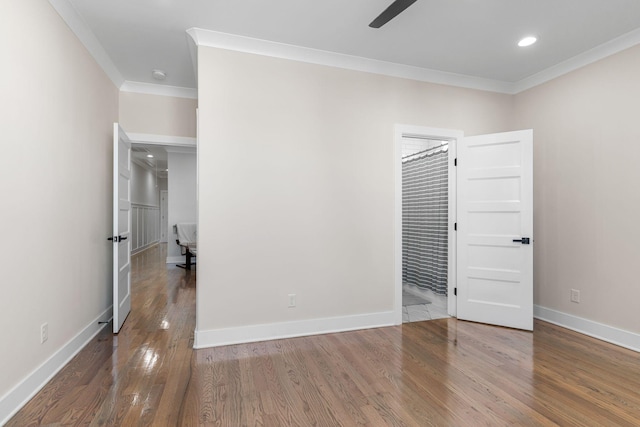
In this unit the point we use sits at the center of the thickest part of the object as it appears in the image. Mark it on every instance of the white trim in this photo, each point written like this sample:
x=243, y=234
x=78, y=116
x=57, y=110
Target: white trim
x=144, y=205
x=143, y=164
x=455, y=137
x=597, y=53
x=299, y=328
x=156, y=89
x=322, y=57
x=183, y=150
x=193, y=53
x=151, y=139
x=19, y=395
x=144, y=248
x=174, y=259
x=588, y=327
x=221, y=40
x=69, y=15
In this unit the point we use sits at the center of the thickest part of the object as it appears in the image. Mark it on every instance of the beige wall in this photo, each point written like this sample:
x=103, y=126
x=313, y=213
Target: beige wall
x=158, y=115
x=57, y=108
x=297, y=195
x=297, y=192
x=587, y=189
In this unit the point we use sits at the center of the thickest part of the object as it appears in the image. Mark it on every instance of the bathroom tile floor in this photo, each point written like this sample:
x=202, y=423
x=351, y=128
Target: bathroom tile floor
x=416, y=313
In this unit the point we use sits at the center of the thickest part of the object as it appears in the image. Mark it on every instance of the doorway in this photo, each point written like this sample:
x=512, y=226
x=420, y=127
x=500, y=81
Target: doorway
x=490, y=225
x=425, y=172
x=425, y=222
x=175, y=164
x=148, y=181
x=147, y=147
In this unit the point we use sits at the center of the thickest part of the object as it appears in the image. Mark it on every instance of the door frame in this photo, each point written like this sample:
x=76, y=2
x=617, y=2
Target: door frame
x=454, y=137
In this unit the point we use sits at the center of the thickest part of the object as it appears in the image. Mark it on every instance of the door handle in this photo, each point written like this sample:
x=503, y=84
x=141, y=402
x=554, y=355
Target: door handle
x=113, y=238
x=120, y=238
x=524, y=240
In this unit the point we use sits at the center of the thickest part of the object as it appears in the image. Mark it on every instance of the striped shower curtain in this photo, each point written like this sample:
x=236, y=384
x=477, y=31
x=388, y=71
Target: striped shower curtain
x=424, y=221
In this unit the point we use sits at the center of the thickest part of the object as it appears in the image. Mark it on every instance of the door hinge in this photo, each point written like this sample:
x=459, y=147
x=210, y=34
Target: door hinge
x=455, y=162
x=455, y=291
x=455, y=226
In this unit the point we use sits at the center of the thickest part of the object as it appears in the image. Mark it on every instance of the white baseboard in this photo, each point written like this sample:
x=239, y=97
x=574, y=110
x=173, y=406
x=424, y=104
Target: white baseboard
x=272, y=331
x=176, y=259
x=17, y=397
x=597, y=330
x=144, y=248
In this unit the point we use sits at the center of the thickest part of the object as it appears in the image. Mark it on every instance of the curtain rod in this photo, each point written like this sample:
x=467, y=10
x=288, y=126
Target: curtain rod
x=424, y=151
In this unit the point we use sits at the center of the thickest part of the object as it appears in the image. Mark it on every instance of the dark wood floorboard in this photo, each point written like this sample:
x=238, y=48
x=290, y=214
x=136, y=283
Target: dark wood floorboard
x=436, y=373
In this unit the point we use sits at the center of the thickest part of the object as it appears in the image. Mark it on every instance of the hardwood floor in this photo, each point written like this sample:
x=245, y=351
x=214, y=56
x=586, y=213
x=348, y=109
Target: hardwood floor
x=441, y=372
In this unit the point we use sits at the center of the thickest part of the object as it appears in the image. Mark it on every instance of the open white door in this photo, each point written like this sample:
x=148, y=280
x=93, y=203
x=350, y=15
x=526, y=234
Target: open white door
x=121, y=227
x=495, y=229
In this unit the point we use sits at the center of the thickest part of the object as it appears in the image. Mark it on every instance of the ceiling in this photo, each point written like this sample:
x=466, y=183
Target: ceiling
x=467, y=37
x=158, y=163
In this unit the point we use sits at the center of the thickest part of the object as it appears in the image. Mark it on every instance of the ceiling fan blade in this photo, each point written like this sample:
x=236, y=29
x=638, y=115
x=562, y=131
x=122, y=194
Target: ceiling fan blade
x=391, y=12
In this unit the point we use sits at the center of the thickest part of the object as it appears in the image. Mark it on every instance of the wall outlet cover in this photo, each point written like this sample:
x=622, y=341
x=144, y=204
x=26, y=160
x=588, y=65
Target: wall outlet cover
x=575, y=295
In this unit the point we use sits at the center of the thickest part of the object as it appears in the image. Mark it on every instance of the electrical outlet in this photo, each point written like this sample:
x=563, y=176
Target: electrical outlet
x=44, y=332
x=292, y=300
x=575, y=295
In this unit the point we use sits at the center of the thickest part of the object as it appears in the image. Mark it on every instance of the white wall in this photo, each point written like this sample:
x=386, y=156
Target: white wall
x=58, y=109
x=297, y=186
x=145, y=209
x=587, y=197
x=163, y=184
x=144, y=186
x=182, y=197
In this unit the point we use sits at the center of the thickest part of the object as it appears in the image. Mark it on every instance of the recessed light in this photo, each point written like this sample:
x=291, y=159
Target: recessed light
x=150, y=156
x=527, y=41
x=158, y=74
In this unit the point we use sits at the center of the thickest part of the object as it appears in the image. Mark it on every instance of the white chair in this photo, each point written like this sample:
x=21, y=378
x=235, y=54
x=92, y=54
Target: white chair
x=188, y=241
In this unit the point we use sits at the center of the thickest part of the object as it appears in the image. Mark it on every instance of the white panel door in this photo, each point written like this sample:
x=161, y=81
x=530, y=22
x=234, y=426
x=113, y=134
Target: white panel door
x=495, y=229
x=121, y=227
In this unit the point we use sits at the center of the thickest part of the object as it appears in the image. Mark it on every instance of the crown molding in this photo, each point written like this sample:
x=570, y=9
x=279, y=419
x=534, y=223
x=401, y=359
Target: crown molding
x=142, y=164
x=73, y=20
x=234, y=42
x=156, y=89
x=164, y=140
x=193, y=53
x=314, y=56
x=602, y=51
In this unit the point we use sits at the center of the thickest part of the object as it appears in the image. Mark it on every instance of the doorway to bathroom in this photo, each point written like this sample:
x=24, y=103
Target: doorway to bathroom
x=425, y=221
x=425, y=177
x=425, y=212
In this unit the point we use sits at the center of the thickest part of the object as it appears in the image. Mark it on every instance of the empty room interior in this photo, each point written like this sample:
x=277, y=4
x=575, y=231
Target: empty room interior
x=397, y=212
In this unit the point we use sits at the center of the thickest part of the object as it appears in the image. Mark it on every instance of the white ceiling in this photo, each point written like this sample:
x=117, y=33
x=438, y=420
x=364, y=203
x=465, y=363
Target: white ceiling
x=158, y=163
x=468, y=37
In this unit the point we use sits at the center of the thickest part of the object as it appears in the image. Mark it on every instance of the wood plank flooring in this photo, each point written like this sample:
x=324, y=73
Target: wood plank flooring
x=436, y=373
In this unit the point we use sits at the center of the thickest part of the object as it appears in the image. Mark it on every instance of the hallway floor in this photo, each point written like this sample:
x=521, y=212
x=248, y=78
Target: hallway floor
x=138, y=376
